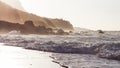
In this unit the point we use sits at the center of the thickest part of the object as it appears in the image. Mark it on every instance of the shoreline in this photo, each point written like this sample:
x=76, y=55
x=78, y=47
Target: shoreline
x=12, y=53
x=62, y=65
x=101, y=46
x=53, y=58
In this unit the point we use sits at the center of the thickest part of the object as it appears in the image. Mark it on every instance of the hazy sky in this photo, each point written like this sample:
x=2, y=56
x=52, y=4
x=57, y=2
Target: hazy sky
x=93, y=14
x=13, y=3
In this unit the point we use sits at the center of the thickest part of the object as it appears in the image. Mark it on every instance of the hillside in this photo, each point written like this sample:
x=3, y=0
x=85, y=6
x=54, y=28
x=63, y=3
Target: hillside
x=10, y=14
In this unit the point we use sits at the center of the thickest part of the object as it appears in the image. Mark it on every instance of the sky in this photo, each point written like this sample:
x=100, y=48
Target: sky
x=91, y=14
x=14, y=3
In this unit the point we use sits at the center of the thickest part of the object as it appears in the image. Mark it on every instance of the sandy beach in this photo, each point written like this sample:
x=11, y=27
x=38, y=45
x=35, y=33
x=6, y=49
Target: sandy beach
x=16, y=57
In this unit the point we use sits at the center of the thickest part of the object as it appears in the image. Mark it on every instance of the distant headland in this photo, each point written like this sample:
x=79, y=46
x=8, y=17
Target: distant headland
x=14, y=19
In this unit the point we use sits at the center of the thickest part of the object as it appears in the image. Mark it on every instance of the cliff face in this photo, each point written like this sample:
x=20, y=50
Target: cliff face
x=10, y=14
x=28, y=28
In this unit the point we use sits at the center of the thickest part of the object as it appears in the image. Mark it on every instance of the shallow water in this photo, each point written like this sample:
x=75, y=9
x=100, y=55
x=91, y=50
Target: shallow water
x=16, y=57
x=85, y=61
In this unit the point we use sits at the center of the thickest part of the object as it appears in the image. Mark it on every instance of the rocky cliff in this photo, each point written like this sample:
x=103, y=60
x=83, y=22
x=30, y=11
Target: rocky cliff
x=10, y=14
x=28, y=28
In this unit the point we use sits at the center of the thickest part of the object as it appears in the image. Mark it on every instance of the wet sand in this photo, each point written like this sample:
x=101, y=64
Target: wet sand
x=16, y=57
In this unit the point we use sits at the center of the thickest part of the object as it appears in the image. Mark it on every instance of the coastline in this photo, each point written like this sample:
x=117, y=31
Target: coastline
x=72, y=47
x=17, y=57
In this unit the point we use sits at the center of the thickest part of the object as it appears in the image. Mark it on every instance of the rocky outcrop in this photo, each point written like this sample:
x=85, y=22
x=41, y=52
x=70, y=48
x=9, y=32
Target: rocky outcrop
x=13, y=15
x=6, y=27
x=27, y=28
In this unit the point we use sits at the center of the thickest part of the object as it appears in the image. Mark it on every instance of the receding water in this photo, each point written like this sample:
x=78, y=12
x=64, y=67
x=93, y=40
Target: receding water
x=16, y=57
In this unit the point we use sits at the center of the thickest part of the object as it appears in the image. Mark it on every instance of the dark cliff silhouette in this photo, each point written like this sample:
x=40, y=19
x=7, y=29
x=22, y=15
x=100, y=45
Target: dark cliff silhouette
x=27, y=28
